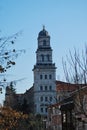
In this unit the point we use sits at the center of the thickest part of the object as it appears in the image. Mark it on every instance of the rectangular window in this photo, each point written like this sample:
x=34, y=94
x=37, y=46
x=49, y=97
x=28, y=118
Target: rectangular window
x=46, y=98
x=45, y=87
x=48, y=57
x=64, y=117
x=41, y=76
x=41, y=109
x=50, y=87
x=46, y=110
x=45, y=76
x=50, y=76
x=41, y=87
x=50, y=98
x=41, y=99
x=42, y=57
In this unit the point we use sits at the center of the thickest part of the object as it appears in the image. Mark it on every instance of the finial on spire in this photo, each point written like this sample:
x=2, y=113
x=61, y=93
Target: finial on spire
x=43, y=27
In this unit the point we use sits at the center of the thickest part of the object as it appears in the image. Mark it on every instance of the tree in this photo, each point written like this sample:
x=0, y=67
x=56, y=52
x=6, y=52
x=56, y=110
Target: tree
x=75, y=67
x=12, y=120
x=8, y=54
x=23, y=107
x=75, y=70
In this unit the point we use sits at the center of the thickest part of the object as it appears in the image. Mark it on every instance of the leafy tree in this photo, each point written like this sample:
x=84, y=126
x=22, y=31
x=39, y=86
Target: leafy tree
x=12, y=120
x=23, y=107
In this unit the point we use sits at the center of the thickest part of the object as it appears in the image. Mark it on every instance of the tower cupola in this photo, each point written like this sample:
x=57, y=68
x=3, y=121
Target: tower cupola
x=43, y=33
x=43, y=39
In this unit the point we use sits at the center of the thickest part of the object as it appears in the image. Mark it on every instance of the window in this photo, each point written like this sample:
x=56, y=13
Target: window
x=45, y=87
x=50, y=98
x=45, y=76
x=41, y=76
x=48, y=58
x=46, y=110
x=42, y=57
x=64, y=117
x=41, y=109
x=53, y=110
x=41, y=99
x=44, y=42
x=50, y=87
x=41, y=87
x=50, y=76
x=46, y=98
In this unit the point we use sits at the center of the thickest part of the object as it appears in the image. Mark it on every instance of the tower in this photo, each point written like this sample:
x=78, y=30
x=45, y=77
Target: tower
x=44, y=74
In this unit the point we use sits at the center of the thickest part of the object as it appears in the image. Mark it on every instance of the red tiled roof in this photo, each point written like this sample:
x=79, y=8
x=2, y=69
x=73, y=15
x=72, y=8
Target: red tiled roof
x=66, y=86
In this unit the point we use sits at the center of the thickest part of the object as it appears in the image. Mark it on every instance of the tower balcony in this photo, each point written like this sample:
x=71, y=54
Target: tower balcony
x=43, y=66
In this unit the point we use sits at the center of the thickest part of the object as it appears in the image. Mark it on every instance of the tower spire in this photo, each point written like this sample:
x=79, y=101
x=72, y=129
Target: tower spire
x=43, y=27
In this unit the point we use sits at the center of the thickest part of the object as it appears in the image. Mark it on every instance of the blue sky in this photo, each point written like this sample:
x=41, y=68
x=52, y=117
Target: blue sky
x=65, y=20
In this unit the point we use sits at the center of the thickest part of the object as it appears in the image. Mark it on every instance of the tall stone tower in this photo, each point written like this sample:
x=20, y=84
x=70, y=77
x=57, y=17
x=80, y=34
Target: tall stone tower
x=44, y=75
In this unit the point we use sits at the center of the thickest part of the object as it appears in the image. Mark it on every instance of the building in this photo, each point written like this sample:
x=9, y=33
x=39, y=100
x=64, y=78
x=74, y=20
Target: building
x=44, y=75
x=20, y=102
x=43, y=91
x=80, y=109
x=67, y=111
x=74, y=110
x=70, y=111
x=12, y=99
x=48, y=97
x=64, y=89
x=54, y=119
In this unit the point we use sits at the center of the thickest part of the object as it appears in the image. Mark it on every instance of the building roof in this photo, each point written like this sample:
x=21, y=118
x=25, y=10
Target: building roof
x=64, y=86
